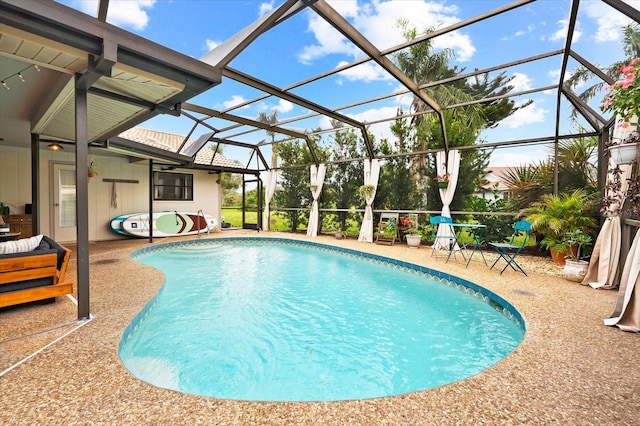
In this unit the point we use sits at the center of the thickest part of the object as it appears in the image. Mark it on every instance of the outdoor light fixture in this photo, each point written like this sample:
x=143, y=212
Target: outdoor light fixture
x=19, y=75
x=55, y=147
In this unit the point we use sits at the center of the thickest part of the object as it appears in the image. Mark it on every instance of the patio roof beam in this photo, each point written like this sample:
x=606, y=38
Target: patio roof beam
x=624, y=8
x=305, y=103
x=223, y=54
x=254, y=123
x=244, y=145
x=573, y=14
x=241, y=120
x=339, y=23
x=588, y=65
x=103, y=7
x=587, y=112
x=459, y=25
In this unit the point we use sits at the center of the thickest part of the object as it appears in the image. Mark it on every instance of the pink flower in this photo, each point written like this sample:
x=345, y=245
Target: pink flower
x=626, y=69
x=623, y=97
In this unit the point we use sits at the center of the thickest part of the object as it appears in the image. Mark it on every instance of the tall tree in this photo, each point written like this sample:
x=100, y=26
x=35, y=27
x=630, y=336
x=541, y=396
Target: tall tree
x=462, y=124
x=397, y=187
x=345, y=177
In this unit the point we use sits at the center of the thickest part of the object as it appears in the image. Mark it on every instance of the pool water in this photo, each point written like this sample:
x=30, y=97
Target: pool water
x=271, y=321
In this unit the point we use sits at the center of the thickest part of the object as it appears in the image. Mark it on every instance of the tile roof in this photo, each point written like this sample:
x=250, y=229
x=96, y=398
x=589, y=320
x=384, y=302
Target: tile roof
x=172, y=142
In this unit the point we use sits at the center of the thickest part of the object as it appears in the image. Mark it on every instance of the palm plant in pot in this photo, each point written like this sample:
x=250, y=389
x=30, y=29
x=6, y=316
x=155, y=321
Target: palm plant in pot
x=575, y=267
x=553, y=215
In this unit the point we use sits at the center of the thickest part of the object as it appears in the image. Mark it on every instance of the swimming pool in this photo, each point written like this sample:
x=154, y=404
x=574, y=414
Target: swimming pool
x=282, y=320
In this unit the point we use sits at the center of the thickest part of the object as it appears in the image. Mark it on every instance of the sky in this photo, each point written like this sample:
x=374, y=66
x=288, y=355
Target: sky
x=305, y=46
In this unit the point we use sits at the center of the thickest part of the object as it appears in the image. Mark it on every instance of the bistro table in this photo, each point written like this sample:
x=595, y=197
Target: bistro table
x=477, y=231
x=9, y=236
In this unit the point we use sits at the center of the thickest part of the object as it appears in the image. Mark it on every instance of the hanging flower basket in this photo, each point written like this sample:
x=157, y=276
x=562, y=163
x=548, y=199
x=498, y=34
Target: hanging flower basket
x=92, y=172
x=624, y=154
x=443, y=183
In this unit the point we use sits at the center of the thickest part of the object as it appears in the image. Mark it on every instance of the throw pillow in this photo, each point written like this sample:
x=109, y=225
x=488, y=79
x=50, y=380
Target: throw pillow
x=20, y=246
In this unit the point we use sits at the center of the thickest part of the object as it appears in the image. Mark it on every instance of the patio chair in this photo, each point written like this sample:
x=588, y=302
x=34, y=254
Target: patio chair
x=509, y=251
x=444, y=239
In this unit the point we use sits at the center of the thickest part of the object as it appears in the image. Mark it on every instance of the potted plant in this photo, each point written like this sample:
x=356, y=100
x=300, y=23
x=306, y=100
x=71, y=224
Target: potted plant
x=92, y=169
x=409, y=228
x=623, y=99
x=388, y=229
x=442, y=180
x=574, y=241
x=553, y=215
x=366, y=191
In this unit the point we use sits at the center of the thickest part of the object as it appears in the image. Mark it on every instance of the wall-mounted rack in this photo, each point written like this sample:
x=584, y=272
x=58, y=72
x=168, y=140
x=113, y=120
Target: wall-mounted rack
x=121, y=180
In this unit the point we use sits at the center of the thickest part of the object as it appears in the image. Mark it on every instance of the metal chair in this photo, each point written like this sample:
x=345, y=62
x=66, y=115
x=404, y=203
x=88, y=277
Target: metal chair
x=450, y=238
x=509, y=251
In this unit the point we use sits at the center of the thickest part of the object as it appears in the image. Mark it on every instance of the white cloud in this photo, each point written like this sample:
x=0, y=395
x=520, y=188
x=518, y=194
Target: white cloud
x=554, y=75
x=520, y=82
x=528, y=115
x=123, y=13
x=529, y=29
x=284, y=106
x=377, y=22
x=369, y=71
x=561, y=33
x=515, y=157
x=265, y=8
x=610, y=22
x=235, y=100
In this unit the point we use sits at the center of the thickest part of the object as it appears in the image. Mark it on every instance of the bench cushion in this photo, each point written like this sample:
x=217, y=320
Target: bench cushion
x=20, y=246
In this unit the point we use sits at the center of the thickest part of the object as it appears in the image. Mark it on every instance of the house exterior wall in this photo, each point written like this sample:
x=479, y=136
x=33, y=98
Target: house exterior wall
x=15, y=189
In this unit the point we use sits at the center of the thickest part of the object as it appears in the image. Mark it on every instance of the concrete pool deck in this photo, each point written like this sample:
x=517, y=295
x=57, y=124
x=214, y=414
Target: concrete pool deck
x=570, y=368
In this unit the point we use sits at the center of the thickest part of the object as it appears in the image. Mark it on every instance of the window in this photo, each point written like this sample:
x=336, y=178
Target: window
x=172, y=186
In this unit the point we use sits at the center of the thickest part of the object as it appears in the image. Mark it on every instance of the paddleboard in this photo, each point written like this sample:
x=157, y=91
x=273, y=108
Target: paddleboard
x=116, y=224
x=165, y=224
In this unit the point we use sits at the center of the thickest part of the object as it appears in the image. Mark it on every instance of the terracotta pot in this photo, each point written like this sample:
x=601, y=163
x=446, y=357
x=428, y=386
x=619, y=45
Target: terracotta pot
x=560, y=258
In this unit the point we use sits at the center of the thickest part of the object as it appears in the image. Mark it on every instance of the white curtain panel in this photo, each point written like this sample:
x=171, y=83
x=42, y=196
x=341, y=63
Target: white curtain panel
x=626, y=314
x=316, y=182
x=272, y=180
x=371, y=176
x=446, y=194
x=603, y=265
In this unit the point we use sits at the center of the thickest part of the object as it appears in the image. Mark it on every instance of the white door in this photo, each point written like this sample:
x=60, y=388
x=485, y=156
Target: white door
x=64, y=202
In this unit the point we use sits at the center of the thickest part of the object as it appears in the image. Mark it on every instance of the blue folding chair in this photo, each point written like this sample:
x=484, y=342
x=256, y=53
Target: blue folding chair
x=448, y=239
x=509, y=251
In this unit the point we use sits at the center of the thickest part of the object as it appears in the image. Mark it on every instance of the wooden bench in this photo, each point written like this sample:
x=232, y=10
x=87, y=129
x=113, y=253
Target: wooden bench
x=35, y=275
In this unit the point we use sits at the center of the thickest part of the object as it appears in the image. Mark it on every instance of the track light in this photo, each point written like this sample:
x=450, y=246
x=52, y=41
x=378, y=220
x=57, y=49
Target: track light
x=19, y=75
